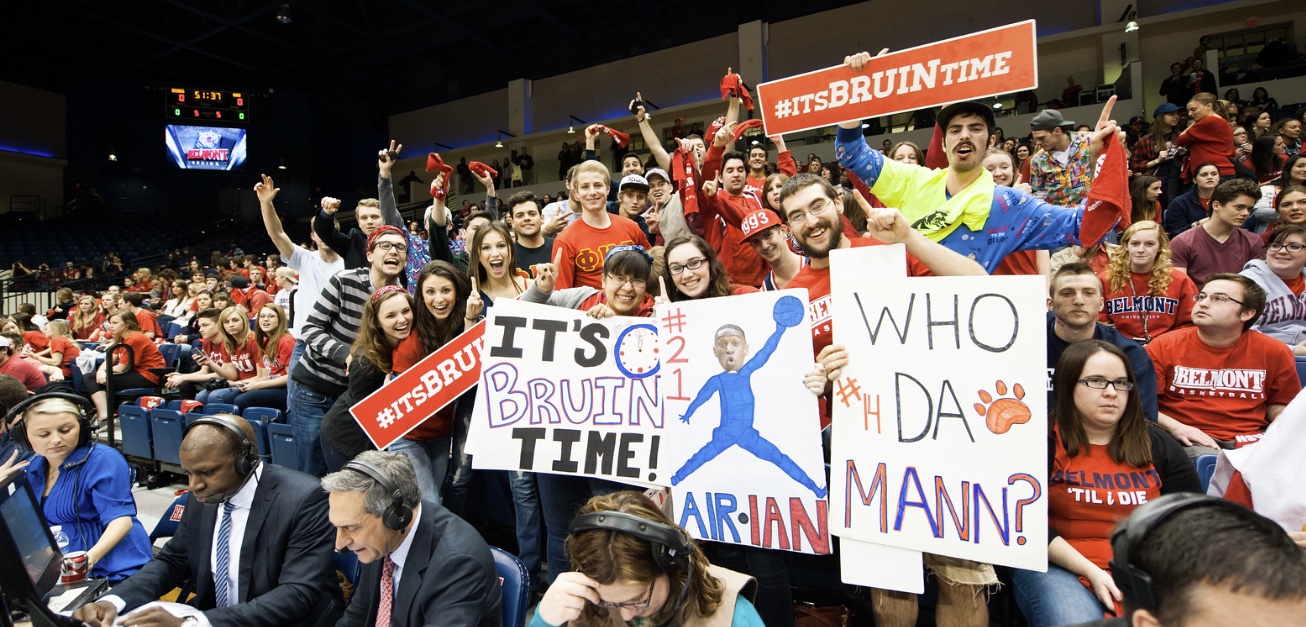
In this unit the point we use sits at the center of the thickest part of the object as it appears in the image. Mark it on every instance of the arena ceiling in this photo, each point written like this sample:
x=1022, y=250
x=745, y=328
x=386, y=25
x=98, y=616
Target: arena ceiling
x=397, y=54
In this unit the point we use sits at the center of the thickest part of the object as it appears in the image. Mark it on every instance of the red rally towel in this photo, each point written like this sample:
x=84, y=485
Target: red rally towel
x=435, y=164
x=622, y=139
x=482, y=169
x=742, y=128
x=732, y=85
x=1108, y=198
x=713, y=128
x=935, y=157
x=682, y=170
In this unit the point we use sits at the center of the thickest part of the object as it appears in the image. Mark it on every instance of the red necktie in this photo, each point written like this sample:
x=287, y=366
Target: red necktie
x=387, y=593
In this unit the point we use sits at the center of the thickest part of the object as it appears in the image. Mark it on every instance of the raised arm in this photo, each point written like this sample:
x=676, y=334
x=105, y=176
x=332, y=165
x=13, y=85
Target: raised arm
x=650, y=137
x=890, y=225
x=385, y=190
x=267, y=192
x=325, y=226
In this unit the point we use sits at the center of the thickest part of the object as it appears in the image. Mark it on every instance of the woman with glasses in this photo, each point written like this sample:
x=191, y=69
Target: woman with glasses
x=1281, y=276
x=1104, y=460
x=615, y=578
x=693, y=271
x=1145, y=295
x=1268, y=209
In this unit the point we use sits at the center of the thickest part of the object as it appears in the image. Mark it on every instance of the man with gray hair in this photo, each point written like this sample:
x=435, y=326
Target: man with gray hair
x=422, y=564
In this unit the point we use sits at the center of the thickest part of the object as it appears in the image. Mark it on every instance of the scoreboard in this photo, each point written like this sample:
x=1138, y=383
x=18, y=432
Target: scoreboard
x=205, y=105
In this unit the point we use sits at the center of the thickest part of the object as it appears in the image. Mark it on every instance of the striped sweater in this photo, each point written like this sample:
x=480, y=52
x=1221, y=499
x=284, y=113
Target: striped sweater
x=330, y=331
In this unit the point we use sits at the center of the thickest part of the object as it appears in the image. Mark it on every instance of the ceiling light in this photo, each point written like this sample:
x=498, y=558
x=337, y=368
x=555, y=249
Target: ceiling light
x=571, y=130
x=1131, y=26
x=112, y=155
x=282, y=165
x=866, y=125
x=283, y=16
x=498, y=144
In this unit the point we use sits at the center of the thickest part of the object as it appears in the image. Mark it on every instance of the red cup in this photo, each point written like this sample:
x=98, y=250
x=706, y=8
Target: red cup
x=75, y=567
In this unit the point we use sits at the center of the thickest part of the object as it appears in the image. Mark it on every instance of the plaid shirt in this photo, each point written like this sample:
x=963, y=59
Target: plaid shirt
x=1064, y=186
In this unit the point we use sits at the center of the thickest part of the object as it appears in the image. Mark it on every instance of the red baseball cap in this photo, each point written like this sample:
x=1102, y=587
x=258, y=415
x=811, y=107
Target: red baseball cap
x=759, y=221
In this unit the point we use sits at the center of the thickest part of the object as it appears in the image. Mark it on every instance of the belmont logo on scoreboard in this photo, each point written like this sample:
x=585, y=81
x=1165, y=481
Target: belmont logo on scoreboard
x=206, y=147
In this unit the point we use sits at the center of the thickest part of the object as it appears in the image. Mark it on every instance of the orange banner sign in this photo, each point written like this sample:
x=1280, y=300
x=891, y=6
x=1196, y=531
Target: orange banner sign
x=988, y=63
x=407, y=401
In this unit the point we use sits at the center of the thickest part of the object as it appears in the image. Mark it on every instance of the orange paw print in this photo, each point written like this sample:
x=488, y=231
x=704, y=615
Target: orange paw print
x=1003, y=412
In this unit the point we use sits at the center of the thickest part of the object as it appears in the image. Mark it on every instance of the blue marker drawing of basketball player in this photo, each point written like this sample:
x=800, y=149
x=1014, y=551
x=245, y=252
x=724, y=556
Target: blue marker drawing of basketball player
x=737, y=402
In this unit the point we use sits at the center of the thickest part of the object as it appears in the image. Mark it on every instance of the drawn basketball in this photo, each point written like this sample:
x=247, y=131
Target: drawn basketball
x=789, y=311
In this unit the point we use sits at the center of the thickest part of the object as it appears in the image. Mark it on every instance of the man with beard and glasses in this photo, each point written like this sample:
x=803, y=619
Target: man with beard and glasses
x=998, y=220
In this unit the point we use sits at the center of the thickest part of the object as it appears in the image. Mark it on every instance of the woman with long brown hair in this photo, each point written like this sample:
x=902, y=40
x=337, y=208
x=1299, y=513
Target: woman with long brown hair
x=617, y=580
x=693, y=271
x=86, y=319
x=1097, y=433
x=1144, y=295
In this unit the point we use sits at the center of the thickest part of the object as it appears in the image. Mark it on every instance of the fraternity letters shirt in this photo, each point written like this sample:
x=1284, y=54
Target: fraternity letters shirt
x=584, y=247
x=1222, y=391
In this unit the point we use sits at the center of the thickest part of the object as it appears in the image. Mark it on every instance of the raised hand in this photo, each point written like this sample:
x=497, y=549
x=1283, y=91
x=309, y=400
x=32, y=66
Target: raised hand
x=266, y=190
x=385, y=158
x=639, y=111
x=724, y=136
x=1105, y=130
x=474, y=303
x=546, y=274
x=330, y=205
x=662, y=298
x=485, y=180
x=566, y=598
x=709, y=188
x=884, y=223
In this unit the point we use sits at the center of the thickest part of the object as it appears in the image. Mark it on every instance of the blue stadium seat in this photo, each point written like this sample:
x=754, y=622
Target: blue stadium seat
x=220, y=408
x=1206, y=469
x=347, y=564
x=266, y=414
x=137, y=432
x=171, y=519
x=261, y=439
x=174, y=404
x=169, y=427
x=285, y=450
x=169, y=352
x=192, y=416
x=516, y=585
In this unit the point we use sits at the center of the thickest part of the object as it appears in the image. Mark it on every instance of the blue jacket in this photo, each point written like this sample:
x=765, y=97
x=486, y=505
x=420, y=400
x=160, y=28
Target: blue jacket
x=1144, y=372
x=1183, y=211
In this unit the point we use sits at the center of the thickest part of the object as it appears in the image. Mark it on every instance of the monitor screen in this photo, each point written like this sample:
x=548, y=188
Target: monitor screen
x=206, y=147
x=25, y=539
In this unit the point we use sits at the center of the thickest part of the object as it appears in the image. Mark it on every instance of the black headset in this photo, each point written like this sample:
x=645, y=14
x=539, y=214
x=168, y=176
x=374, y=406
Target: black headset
x=86, y=409
x=398, y=514
x=671, y=549
x=247, y=459
x=1134, y=582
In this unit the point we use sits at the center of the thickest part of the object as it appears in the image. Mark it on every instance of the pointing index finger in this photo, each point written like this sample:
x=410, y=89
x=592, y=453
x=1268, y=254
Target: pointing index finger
x=662, y=286
x=557, y=259
x=1106, y=111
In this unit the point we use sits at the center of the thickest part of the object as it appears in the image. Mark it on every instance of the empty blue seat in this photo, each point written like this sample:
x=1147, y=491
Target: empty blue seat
x=137, y=432
x=285, y=449
x=516, y=585
x=261, y=439
x=266, y=414
x=192, y=416
x=174, y=404
x=1206, y=469
x=169, y=428
x=220, y=408
x=169, y=352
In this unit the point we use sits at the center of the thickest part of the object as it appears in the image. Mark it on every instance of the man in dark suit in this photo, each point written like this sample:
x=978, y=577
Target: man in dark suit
x=277, y=557
x=422, y=564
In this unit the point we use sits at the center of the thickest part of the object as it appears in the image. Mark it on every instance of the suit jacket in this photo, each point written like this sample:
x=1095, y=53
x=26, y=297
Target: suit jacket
x=448, y=579
x=287, y=572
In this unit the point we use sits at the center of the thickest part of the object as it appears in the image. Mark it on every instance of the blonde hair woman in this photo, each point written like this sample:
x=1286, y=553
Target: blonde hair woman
x=1145, y=295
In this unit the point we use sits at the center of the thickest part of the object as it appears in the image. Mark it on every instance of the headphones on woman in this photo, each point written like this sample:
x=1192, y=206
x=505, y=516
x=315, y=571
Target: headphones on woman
x=671, y=549
x=247, y=459
x=85, y=423
x=398, y=514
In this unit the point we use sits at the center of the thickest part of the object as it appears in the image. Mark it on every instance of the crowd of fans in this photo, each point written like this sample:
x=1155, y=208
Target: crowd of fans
x=1199, y=275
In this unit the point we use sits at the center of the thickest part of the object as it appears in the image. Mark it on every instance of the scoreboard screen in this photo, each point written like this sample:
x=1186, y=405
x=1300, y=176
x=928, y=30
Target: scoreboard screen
x=206, y=105
x=206, y=147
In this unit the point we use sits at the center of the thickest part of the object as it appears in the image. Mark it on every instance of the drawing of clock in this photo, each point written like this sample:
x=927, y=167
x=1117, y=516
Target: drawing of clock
x=637, y=351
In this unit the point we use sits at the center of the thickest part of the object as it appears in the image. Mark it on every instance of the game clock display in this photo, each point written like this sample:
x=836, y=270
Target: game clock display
x=206, y=105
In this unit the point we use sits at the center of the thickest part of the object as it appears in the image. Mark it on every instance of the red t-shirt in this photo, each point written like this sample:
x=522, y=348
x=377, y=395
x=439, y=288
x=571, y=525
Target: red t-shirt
x=1020, y=262
x=84, y=333
x=440, y=424
x=23, y=370
x=1222, y=391
x=35, y=340
x=584, y=247
x=1209, y=140
x=245, y=358
x=277, y=360
x=147, y=355
x=149, y=323
x=213, y=351
x=1084, y=491
x=69, y=349
x=1136, y=313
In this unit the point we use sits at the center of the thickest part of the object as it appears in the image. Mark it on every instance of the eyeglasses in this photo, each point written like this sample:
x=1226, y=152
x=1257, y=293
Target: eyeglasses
x=795, y=217
x=1293, y=247
x=635, y=605
x=1215, y=298
x=1100, y=383
x=388, y=246
x=692, y=264
x=635, y=283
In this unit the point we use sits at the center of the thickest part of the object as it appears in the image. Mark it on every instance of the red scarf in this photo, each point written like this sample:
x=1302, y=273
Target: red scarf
x=483, y=170
x=435, y=164
x=682, y=170
x=621, y=138
x=732, y=85
x=1108, y=198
